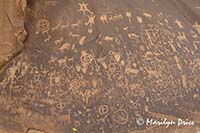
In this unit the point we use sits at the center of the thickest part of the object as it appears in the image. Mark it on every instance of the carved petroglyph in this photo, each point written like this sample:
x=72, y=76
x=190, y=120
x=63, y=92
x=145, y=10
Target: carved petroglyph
x=120, y=116
x=129, y=15
x=51, y=3
x=96, y=68
x=139, y=19
x=197, y=27
x=42, y=25
x=84, y=8
x=90, y=21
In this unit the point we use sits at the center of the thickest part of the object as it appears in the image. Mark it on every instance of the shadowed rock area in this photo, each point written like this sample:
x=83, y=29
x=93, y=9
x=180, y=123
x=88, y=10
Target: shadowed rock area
x=12, y=31
x=99, y=66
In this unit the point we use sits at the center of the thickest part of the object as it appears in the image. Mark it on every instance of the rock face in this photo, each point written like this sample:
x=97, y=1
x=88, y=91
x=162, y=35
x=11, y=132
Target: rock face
x=100, y=66
x=12, y=33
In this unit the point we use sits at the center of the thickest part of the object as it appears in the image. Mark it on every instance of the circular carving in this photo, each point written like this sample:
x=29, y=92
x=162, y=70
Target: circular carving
x=77, y=123
x=60, y=105
x=86, y=58
x=142, y=48
x=43, y=25
x=103, y=109
x=120, y=116
x=75, y=84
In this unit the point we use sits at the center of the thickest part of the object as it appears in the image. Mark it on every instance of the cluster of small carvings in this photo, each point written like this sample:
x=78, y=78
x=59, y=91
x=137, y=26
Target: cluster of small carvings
x=112, y=82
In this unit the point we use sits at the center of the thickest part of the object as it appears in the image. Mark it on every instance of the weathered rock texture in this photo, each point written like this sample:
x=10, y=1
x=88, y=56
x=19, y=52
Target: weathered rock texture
x=99, y=66
x=12, y=33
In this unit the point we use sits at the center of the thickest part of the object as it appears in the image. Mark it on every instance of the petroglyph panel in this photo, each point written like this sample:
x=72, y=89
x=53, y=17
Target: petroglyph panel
x=102, y=67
